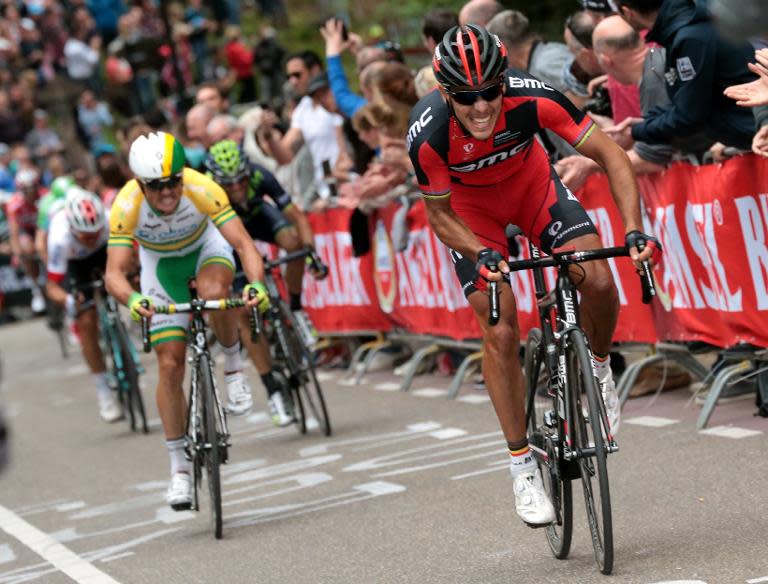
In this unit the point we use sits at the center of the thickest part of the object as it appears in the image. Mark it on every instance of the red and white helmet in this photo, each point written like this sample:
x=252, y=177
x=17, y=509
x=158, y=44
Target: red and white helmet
x=84, y=210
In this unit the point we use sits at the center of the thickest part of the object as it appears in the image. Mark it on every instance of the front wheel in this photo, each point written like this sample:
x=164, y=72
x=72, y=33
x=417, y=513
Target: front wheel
x=589, y=433
x=212, y=436
x=545, y=442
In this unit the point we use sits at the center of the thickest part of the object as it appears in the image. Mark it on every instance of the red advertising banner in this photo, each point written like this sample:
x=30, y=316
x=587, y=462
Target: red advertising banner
x=346, y=300
x=712, y=223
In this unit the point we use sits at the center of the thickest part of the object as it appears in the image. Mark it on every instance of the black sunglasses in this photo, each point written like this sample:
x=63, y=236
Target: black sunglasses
x=295, y=74
x=469, y=97
x=159, y=184
x=231, y=180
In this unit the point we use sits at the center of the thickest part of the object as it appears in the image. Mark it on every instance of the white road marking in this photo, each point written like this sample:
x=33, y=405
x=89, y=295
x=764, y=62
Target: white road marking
x=380, y=488
x=303, y=481
x=49, y=549
x=258, y=418
x=74, y=505
x=387, y=386
x=279, y=469
x=474, y=398
x=349, y=382
x=758, y=580
x=730, y=432
x=118, y=557
x=651, y=421
x=79, y=369
x=430, y=392
x=6, y=554
x=325, y=376
x=424, y=426
x=447, y=433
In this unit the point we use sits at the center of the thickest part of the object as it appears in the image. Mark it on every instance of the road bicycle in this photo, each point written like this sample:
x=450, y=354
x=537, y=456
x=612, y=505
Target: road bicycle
x=292, y=358
x=207, y=433
x=123, y=364
x=568, y=429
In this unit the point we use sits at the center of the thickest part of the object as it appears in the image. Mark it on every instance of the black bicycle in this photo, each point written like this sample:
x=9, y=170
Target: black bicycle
x=292, y=358
x=123, y=365
x=568, y=429
x=207, y=434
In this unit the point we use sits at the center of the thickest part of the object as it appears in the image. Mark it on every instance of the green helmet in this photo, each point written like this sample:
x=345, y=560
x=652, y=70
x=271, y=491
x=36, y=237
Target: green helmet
x=60, y=185
x=226, y=162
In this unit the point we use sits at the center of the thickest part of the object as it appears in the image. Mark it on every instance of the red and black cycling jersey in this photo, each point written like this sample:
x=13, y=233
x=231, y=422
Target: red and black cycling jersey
x=445, y=155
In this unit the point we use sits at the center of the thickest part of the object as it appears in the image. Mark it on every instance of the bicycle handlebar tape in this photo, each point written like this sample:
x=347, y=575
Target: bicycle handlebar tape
x=640, y=240
x=254, y=317
x=145, y=329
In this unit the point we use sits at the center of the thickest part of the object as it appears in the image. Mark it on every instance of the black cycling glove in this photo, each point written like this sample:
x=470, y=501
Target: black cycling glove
x=487, y=261
x=640, y=240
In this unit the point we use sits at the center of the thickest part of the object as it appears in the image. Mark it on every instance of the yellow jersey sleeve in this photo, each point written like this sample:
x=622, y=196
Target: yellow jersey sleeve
x=124, y=215
x=208, y=197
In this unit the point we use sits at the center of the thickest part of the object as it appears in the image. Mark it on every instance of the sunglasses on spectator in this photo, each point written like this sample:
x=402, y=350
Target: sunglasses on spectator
x=294, y=74
x=159, y=184
x=469, y=97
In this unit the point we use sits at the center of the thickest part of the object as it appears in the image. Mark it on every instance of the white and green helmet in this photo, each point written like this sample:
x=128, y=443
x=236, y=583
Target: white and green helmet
x=156, y=156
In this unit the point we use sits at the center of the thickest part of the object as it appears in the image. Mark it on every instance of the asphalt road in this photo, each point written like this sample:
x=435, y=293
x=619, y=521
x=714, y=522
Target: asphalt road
x=411, y=487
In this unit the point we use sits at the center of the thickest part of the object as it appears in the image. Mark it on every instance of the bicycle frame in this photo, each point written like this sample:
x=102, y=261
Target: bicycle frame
x=559, y=317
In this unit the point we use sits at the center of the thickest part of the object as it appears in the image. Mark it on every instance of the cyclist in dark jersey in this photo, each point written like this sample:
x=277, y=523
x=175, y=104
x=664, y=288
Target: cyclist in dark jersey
x=481, y=167
x=270, y=215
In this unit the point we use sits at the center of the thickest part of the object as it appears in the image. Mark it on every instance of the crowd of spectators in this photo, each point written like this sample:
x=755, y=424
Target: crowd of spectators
x=80, y=79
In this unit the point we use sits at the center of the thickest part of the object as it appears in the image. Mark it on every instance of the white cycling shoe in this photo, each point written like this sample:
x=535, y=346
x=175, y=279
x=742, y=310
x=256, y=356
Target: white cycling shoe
x=239, y=392
x=611, y=400
x=531, y=500
x=179, y=493
x=110, y=409
x=278, y=411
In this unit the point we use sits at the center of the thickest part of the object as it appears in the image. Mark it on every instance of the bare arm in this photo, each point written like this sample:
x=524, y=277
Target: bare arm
x=13, y=238
x=612, y=158
x=119, y=264
x=234, y=232
x=299, y=219
x=450, y=229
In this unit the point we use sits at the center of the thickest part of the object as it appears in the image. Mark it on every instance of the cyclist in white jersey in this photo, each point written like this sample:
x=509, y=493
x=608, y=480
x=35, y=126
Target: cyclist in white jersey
x=184, y=227
x=77, y=251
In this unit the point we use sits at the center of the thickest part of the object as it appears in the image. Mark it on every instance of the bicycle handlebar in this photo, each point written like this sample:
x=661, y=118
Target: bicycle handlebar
x=563, y=258
x=196, y=305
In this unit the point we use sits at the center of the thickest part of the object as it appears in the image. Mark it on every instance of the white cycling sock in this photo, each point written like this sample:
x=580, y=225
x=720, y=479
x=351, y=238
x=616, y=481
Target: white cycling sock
x=179, y=462
x=232, y=360
x=603, y=367
x=521, y=461
x=102, y=387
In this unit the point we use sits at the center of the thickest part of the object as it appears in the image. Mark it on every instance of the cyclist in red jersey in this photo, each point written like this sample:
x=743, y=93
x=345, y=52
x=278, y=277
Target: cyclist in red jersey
x=481, y=167
x=22, y=224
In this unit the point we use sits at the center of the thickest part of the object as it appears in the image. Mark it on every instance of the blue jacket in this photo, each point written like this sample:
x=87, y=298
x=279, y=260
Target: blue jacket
x=348, y=101
x=700, y=65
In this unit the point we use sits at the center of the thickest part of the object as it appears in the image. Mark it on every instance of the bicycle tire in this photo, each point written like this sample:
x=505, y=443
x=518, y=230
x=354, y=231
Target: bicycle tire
x=584, y=383
x=284, y=362
x=309, y=386
x=547, y=448
x=134, y=399
x=211, y=437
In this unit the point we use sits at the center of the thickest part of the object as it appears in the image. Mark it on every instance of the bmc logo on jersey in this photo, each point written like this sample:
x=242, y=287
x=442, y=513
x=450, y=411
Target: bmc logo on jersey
x=418, y=126
x=491, y=159
x=520, y=83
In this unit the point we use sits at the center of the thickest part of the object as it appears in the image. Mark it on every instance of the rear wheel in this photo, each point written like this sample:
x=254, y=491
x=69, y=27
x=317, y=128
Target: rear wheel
x=212, y=438
x=589, y=432
x=311, y=394
x=545, y=444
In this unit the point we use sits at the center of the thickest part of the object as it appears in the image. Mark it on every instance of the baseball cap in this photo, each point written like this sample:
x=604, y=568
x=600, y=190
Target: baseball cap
x=317, y=83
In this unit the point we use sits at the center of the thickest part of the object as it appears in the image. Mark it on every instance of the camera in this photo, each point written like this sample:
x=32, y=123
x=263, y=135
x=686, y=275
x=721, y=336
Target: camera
x=600, y=103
